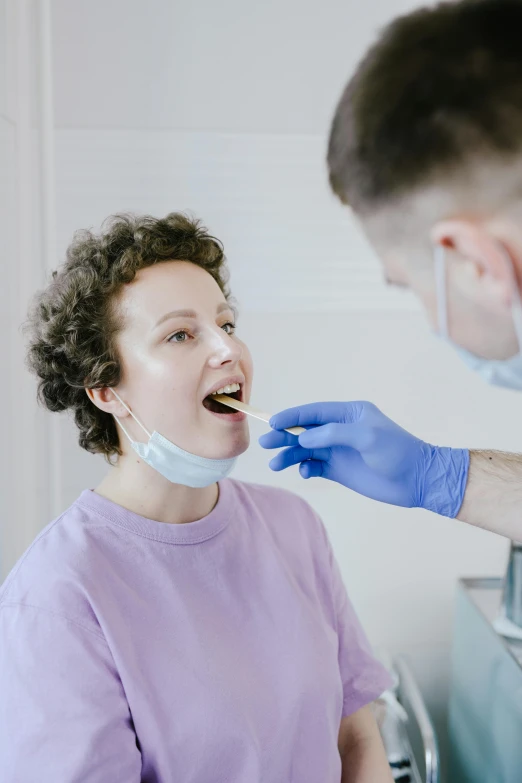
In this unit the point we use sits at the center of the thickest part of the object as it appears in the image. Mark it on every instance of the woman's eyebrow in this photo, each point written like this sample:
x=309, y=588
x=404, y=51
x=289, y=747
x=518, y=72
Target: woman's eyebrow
x=190, y=313
x=224, y=306
x=176, y=314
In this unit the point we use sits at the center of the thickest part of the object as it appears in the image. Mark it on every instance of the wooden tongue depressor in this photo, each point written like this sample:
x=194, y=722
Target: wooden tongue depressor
x=257, y=414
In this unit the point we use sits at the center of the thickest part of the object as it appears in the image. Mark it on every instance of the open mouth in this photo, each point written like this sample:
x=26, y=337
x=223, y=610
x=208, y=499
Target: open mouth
x=233, y=390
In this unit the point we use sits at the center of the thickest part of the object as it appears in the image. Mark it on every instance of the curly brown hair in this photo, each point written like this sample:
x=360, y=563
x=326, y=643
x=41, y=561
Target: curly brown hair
x=73, y=322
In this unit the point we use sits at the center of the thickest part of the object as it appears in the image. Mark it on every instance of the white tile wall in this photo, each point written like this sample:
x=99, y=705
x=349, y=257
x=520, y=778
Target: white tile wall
x=7, y=258
x=291, y=245
x=23, y=459
x=268, y=67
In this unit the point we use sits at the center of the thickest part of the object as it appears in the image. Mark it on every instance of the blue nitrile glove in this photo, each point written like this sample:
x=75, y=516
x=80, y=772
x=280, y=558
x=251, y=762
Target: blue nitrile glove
x=355, y=444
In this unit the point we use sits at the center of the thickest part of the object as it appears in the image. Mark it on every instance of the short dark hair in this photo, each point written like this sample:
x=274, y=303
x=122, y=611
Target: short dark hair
x=73, y=323
x=440, y=86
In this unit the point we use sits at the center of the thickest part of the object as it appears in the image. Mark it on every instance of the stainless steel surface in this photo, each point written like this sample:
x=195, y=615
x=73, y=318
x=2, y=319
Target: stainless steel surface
x=411, y=699
x=485, y=704
x=512, y=594
x=487, y=595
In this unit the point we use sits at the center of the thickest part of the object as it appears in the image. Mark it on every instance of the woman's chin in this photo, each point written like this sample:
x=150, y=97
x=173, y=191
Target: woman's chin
x=237, y=445
x=226, y=446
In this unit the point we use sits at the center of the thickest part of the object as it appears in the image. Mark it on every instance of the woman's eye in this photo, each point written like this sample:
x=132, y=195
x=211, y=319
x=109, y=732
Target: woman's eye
x=178, y=337
x=229, y=328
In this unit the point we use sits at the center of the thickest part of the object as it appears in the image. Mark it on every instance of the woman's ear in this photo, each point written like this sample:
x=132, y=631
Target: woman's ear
x=475, y=244
x=106, y=400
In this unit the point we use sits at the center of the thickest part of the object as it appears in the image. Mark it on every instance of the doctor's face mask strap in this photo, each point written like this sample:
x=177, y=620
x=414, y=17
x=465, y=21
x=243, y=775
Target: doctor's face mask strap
x=499, y=372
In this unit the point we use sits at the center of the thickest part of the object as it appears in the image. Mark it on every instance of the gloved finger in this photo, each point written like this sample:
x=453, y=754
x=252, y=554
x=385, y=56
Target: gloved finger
x=294, y=455
x=356, y=436
x=316, y=413
x=276, y=439
x=288, y=457
x=312, y=468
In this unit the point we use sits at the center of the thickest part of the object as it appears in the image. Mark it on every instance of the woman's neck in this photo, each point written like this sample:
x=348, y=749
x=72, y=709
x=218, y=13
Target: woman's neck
x=139, y=488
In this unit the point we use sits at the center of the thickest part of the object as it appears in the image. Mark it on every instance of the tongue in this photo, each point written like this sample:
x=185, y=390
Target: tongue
x=216, y=407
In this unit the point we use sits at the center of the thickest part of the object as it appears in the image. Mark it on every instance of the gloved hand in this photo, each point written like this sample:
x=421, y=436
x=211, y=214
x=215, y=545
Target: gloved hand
x=355, y=444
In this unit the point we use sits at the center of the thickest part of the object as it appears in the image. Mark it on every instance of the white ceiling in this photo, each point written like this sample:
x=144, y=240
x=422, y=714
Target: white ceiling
x=270, y=66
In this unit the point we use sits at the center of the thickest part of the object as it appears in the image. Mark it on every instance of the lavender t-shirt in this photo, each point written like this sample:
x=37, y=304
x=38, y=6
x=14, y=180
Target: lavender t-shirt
x=221, y=651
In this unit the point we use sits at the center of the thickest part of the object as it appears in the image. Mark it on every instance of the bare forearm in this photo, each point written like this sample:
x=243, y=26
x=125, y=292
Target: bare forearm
x=366, y=763
x=493, y=497
x=361, y=749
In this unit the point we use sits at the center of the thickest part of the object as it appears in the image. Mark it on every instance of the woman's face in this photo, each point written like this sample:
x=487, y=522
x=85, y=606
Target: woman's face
x=178, y=345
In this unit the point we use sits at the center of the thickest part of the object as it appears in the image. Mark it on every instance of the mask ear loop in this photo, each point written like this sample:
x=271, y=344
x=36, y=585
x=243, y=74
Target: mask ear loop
x=133, y=416
x=439, y=255
x=516, y=302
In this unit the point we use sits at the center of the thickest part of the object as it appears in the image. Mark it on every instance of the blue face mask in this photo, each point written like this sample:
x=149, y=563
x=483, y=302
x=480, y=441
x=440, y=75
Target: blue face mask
x=500, y=372
x=175, y=464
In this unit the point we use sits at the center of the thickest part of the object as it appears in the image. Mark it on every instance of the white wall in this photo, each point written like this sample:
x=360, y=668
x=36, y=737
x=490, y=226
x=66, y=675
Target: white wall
x=24, y=477
x=223, y=108
x=7, y=227
x=235, y=65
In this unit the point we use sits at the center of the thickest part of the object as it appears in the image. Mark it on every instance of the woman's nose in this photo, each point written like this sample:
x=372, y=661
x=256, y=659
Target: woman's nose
x=224, y=349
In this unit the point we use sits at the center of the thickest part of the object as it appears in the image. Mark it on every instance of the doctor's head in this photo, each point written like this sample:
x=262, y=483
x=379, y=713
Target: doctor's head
x=143, y=308
x=426, y=148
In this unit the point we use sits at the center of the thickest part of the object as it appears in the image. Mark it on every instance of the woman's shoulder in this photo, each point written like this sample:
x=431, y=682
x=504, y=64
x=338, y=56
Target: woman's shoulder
x=276, y=506
x=52, y=573
x=280, y=519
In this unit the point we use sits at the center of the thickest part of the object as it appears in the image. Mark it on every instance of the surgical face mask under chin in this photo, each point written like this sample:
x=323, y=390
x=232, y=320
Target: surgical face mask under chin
x=500, y=372
x=175, y=464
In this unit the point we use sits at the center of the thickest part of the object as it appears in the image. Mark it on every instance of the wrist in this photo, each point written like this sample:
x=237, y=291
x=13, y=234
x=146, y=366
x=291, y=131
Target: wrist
x=443, y=480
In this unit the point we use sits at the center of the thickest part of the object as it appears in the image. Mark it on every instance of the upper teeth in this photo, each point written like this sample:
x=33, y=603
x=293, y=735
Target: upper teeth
x=229, y=389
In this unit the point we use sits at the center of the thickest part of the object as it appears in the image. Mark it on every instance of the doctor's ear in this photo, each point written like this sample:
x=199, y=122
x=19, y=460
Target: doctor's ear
x=105, y=400
x=474, y=243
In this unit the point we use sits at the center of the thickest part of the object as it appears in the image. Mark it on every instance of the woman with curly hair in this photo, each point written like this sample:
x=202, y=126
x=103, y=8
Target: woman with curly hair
x=172, y=624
